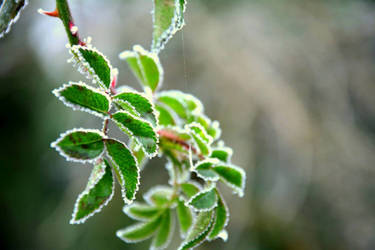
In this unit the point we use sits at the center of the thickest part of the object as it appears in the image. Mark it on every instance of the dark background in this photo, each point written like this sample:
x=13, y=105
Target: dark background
x=291, y=81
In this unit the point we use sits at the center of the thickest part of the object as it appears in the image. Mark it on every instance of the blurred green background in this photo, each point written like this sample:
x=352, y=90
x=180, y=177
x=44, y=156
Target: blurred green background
x=291, y=81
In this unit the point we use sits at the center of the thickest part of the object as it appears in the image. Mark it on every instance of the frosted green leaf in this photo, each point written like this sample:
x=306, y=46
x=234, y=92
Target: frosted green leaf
x=80, y=145
x=190, y=188
x=224, y=154
x=141, y=130
x=168, y=19
x=140, y=231
x=233, y=176
x=165, y=117
x=138, y=153
x=98, y=193
x=185, y=217
x=211, y=127
x=184, y=105
x=140, y=211
x=204, y=201
x=93, y=64
x=145, y=66
x=137, y=104
x=163, y=236
x=201, y=139
x=204, y=170
x=126, y=168
x=80, y=96
x=159, y=196
x=198, y=233
x=221, y=218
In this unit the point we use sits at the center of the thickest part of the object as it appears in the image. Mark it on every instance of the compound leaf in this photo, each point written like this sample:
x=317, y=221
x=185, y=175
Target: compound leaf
x=204, y=201
x=145, y=66
x=93, y=64
x=141, y=130
x=80, y=145
x=80, y=96
x=126, y=168
x=98, y=193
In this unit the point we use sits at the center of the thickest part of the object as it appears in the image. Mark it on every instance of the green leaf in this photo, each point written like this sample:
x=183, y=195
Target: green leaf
x=198, y=233
x=80, y=145
x=164, y=235
x=141, y=130
x=145, y=66
x=224, y=154
x=204, y=170
x=98, y=193
x=201, y=139
x=126, y=168
x=137, y=104
x=140, y=231
x=139, y=211
x=190, y=188
x=168, y=19
x=93, y=64
x=204, y=201
x=80, y=96
x=165, y=117
x=221, y=218
x=159, y=196
x=233, y=176
x=138, y=153
x=175, y=101
x=212, y=127
x=185, y=217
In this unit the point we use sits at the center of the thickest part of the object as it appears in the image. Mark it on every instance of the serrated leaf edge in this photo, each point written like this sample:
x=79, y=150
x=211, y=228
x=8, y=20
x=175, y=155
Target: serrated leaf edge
x=86, y=191
x=81, y=64
x=213, y=161
x=237, y=190
x=226, y=220
x=176, y=25
x=207, y=231
x=67, y=157
x=132, y=227
x=130, y=133
x=57, y=91
x=206, y=190
x=123, y=191
x=138, y=49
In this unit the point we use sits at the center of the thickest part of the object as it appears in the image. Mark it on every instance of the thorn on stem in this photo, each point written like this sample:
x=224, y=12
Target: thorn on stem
x=54, y=13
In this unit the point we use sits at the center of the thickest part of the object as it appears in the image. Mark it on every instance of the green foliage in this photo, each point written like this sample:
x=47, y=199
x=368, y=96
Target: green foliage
x=82, y=97
x=167, y=123
x=145, y=66
x=98, y=193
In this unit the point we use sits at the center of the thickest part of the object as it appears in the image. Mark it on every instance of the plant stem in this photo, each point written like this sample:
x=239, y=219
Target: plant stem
x=63, y=9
